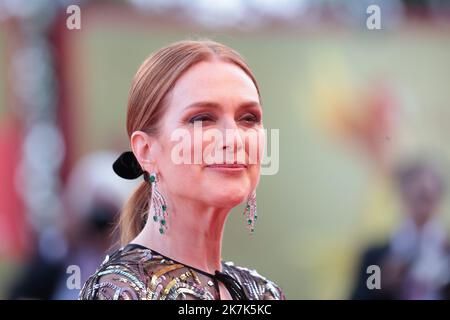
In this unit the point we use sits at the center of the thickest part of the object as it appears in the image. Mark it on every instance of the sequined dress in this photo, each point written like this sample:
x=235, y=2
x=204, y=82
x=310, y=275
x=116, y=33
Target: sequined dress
x=135, y=272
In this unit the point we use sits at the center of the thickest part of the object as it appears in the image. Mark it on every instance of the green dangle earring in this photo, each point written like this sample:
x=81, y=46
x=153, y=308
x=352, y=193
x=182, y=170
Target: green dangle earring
x=250, y=212
x=158, y=203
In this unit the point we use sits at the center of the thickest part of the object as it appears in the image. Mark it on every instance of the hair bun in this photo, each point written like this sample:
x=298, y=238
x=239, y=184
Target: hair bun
x=127, y=166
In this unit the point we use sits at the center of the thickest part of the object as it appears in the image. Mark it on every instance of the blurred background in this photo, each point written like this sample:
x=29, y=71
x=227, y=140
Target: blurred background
x=364, y=120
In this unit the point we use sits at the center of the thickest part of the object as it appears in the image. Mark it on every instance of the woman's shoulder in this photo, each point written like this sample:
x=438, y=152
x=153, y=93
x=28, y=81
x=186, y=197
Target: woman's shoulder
x=136, y=273
x=123, y=275
x=256, y=286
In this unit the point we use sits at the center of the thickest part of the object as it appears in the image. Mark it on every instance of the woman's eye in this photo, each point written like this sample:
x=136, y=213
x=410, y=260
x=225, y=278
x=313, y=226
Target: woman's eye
x=250, y=118
x=201, y=118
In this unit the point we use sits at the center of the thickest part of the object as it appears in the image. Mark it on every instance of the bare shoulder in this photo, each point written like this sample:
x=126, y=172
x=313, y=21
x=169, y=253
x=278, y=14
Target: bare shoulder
x=256, y=285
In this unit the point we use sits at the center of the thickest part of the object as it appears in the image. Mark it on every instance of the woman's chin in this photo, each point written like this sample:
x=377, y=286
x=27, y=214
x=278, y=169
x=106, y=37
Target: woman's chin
x=228, y=197
x=227, y=192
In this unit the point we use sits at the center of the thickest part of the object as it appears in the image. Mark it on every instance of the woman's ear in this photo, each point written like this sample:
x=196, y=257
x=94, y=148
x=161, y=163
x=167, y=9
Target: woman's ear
x=142, y=144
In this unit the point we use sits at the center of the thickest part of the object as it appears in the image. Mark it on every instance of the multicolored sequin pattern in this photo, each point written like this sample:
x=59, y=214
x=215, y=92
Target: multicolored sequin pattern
x=138, y=274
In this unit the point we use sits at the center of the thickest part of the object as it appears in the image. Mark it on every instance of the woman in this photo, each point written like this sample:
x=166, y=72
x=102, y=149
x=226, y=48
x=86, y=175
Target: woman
x=172, y=226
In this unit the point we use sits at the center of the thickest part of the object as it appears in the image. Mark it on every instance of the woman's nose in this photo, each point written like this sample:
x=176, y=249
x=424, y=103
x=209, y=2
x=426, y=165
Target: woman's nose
x=232, y=137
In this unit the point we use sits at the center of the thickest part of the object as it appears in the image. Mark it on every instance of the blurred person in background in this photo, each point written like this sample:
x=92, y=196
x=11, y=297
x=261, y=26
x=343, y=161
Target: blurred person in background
x=415, y=262
x=93, y=198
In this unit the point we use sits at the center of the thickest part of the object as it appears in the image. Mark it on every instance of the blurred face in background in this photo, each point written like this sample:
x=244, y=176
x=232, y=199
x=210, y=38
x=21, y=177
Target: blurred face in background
x=213, y=96
x=422, y=191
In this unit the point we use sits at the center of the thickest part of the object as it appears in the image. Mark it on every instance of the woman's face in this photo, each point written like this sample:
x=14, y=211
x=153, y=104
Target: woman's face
x=213, y=115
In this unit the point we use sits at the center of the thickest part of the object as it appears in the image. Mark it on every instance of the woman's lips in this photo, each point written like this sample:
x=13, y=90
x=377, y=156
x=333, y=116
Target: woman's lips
x=232, y=167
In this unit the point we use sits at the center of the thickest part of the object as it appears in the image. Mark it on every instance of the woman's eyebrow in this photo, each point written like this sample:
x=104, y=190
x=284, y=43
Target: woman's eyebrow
x=203, y=104
x=250, y=104
x=211, y=104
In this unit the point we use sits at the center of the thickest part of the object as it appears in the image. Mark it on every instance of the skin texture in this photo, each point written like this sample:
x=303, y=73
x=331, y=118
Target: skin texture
x=199, y=198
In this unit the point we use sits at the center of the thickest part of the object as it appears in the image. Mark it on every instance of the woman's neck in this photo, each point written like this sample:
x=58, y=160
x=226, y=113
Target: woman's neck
x=193, y=236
